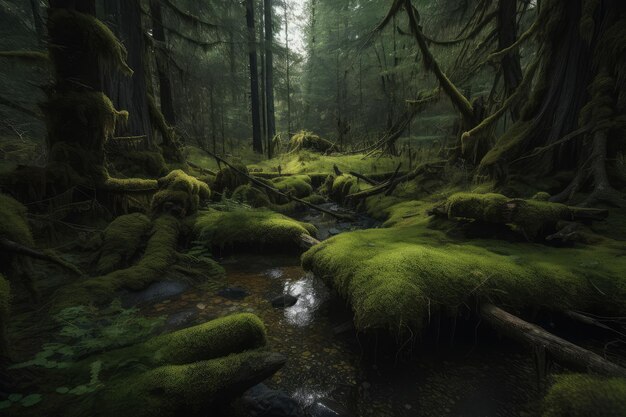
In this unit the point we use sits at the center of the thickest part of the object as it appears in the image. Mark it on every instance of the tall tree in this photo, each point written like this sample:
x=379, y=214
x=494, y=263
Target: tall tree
x=510, y=62
x=287, y=67
x=257, y=141
x=37, y=20
x=269, y=72
x=165, y=87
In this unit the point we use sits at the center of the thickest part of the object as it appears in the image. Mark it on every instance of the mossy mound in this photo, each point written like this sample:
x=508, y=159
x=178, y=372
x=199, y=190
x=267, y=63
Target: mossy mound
x=252, y=196
x=121, y=241
x=396, y=277
x=309, y=141
x=585, y=395
x=228, y=180
x=179, y=194
x=296, y=185
x=256, y=229
x=5, y=294
x=339, y=187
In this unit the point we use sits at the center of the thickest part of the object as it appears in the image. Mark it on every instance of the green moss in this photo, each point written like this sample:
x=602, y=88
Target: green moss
x=180, y=194
x=140, y=163
x=5, y=294
x=243, y=228
x=396, y=277
x=252, y=196
x=159, y=255
x=189, y=389
x=586, y=395
x=121, y=241
x=342, y=186
x=313, y=164
x=228, y=180
x=531, y=217
x=309, y=141
x=296, y=185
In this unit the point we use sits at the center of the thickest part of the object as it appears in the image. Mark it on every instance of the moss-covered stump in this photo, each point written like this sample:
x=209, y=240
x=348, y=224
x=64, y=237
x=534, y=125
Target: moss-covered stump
x=179, y=194
x=5, y=294
x=585, y=395
x=396, y=277
x=121, y=241
x=228, y=179
x=249, y=229
x=309, y=141
x=339, y=187
x=139, y=163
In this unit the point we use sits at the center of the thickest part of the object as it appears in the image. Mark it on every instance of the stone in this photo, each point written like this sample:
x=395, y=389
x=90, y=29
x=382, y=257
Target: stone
x=284, y=300
x=233, y=293
x=262, y=401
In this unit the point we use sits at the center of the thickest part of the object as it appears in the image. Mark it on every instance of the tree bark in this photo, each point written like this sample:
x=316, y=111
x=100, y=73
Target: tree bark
x=269, y=73
x=257, y=141
x=507, y=35
x=38, y=21
x=165, y=86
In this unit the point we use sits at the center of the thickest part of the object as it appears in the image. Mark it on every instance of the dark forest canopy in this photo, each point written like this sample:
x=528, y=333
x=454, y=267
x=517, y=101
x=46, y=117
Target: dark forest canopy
x=446, y=171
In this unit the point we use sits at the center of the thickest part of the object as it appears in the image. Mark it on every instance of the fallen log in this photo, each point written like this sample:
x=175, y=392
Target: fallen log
x=307, y=241
x=560, y=349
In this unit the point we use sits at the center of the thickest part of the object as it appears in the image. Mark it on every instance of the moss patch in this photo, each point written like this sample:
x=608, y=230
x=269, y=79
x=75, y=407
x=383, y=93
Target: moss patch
x=585, y=395
x=397, y=276
x=252, y=196
x=179, y=194
x=247, y=228
x=296, y=185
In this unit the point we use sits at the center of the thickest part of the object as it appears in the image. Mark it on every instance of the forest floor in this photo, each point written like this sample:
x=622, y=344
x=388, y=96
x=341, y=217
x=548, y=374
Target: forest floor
x=385, y=318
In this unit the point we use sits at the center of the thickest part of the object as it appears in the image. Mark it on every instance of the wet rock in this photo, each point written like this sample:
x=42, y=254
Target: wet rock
x=327, y=407
x=233, y=293
x=284, y=300
x=262, y=401
x=156, y=292
x=181, y=319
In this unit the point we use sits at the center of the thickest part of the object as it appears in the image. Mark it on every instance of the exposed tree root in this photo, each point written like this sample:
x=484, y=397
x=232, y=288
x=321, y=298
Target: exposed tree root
x=14, y=247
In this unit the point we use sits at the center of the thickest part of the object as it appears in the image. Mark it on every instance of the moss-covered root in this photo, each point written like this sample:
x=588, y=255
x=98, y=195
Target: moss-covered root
x=122, y=239
x=187, y=390
x=159, y=255
x=584, y=395
x=249, y=229
x=4, y=316
x=179, y=194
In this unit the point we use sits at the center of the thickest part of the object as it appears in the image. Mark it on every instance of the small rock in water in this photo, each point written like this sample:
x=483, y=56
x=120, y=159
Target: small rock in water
x=201, y=306
x=233, y=293
x=334, y=231
x=263, y=401
x=285, y=300
x=156, y=292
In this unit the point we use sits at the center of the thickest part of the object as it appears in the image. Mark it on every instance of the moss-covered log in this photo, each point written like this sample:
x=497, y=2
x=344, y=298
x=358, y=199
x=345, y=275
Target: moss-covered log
x=578, y=395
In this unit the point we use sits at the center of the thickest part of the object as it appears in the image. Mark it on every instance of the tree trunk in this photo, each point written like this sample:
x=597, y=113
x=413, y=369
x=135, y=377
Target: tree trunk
x=126, y=92
x=38, y=21
x=507, y=35
x=257, y=143
x=288, y=69
x=165, y=87
x=269, y=73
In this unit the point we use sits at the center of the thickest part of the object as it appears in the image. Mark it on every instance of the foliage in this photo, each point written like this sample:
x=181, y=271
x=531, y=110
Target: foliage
x=580, y=395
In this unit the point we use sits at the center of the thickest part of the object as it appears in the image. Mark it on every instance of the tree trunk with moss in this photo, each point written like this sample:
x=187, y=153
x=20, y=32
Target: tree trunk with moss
x=510, y=63
x=577, y=103
x=257, y=141
x=130, y=92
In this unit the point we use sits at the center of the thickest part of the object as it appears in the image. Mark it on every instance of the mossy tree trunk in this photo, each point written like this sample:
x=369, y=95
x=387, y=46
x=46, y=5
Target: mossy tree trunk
x=510, y=63
x=577, y=102
x=130, y=92
x=80, y=117
x=269, y=73
x=165, y=86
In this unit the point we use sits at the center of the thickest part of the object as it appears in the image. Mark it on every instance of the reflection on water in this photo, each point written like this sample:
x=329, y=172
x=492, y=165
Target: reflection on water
x=311, y=295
